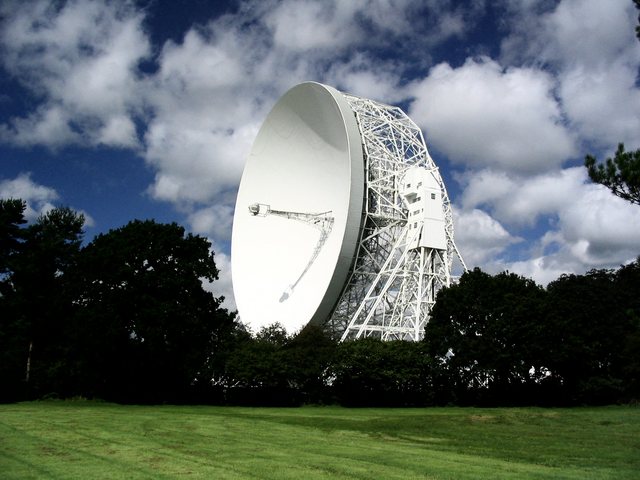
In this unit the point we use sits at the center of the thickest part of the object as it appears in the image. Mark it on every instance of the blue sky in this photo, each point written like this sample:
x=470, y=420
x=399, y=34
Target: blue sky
x=148, y=109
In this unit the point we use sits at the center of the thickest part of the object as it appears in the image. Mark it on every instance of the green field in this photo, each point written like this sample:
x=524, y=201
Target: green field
x=98, y=440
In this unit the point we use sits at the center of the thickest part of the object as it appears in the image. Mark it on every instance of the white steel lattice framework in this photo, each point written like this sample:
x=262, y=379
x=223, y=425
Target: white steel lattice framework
x=395, y=276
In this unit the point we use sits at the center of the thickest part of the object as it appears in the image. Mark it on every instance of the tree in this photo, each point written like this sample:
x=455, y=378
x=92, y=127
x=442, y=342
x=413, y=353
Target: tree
x=36, y=303
x=309, y=355
x=627, y=286
x=621, y=174
x=12, y=331
x=11, y=236
x=590, y=322
x=273, y=368
x=372, y=372
x=275, y=334
x=485, y=331
x=145, y=326
x=258, y=371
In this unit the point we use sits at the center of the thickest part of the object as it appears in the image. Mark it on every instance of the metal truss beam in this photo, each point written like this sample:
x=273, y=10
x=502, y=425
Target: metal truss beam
x=392, y=283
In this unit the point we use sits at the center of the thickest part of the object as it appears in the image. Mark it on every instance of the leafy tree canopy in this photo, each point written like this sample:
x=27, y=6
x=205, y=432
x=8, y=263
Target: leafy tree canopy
x=149, y=324
x=486, y=332
x=11, y=234
x=35, y=261
x=592, y=320
x=274, y=333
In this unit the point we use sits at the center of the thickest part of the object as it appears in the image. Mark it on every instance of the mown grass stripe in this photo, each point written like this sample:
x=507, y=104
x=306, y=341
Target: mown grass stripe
x=97, y=440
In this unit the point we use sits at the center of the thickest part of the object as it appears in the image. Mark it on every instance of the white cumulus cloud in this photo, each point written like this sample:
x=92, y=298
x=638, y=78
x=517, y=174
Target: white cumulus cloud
x=591, y=47
x=513, y=125
x=522, y=199
x=222, y=287
x=484, y=115
x=39, y=198
x=80, y=59
x=480, y=238
x=586, y=225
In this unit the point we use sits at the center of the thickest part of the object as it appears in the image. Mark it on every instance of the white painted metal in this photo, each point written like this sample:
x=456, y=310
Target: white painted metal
x=321, y=221
x=356, y=230
x=406, y=250
x=307, y=158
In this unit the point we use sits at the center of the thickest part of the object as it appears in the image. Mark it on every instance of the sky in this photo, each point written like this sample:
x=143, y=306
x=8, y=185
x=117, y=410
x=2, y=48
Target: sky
x=129, y=110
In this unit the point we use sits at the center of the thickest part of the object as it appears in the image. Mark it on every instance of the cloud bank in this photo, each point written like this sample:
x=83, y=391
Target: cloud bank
x=512, y=125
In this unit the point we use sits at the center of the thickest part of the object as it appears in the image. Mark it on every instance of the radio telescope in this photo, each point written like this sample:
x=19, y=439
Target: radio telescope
x=341, y=220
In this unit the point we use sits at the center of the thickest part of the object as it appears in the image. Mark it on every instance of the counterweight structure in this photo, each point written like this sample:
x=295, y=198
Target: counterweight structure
x=406, y=248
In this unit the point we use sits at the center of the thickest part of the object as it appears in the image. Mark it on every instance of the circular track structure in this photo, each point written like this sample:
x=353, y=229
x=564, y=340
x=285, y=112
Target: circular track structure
x=341, y=219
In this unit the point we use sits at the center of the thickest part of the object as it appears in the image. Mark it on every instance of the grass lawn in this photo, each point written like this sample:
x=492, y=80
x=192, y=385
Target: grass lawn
x=86, y=440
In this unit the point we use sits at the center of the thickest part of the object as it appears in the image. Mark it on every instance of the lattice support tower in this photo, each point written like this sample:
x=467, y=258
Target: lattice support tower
x=405, y=254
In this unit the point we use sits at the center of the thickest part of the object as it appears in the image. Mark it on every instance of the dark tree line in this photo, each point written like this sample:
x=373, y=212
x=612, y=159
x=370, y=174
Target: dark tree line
x=503, y=339
x=492, y=340
x=126, y=318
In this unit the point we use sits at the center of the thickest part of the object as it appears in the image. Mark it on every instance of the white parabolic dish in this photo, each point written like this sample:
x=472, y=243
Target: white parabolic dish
x=306, y=172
